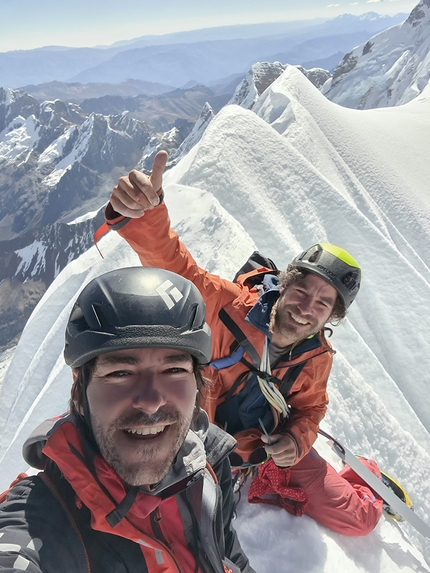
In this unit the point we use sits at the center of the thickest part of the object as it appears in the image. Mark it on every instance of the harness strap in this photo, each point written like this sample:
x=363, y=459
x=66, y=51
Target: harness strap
x=290, y=377
x=243, y=345
x=121, y=510
x=233, y=358
x=235, y=386
x=286, y=383
x=265, y=375
x=239, y=335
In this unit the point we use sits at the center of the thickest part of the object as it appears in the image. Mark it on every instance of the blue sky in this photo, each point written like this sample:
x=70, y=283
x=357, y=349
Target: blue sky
x=29, y=24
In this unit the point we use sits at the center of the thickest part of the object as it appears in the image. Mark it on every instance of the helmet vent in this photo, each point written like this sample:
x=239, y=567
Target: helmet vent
x=98, y=315
x=313, y=257
x=77, y=321
x=193, y=315
x=350, y=280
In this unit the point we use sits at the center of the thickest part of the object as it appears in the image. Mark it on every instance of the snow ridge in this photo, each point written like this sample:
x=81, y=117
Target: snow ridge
x=392, y=68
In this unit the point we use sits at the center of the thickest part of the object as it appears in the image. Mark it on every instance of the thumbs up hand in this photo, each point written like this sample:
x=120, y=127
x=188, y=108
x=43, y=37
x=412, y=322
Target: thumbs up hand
x=138, y=192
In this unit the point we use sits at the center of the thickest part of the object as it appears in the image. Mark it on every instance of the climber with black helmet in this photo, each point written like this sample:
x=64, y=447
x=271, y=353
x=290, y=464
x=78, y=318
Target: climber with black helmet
x=271, y=358
x=134, y=477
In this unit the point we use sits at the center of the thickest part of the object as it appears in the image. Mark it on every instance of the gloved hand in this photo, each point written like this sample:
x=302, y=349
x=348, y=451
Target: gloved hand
x=282, y=448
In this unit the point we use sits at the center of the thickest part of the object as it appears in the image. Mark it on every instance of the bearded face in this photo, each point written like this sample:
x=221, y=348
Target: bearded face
x=142, y=403
x=302, y=309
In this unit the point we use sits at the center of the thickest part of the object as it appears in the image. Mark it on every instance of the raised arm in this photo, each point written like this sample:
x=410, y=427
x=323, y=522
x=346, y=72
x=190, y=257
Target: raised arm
x=142, y=219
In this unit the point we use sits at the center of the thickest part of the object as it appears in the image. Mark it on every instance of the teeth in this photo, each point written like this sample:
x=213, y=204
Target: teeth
x=146, y=431
x=299, y=320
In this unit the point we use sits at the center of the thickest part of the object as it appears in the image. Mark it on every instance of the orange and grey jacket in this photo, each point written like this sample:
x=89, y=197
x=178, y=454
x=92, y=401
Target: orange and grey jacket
x=158, y=245
x=77, y=515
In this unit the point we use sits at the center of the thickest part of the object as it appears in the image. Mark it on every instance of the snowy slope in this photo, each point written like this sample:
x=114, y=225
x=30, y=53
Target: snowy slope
x=195, y=135
x=295, y=170
x=18, y=139
x=259, y=77
x=391, y=68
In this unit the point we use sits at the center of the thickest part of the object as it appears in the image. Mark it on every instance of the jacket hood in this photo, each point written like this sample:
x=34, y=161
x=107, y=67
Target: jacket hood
x=259, y=315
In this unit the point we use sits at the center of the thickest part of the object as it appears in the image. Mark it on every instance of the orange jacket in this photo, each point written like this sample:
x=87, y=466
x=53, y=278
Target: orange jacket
x=158, y=245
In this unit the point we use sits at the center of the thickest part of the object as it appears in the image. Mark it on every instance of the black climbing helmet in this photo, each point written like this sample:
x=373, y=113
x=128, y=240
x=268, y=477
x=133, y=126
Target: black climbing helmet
x=137, y=307
x=335, y=265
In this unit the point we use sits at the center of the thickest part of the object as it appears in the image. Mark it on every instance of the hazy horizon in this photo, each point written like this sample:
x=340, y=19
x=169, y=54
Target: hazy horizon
x=53, y=23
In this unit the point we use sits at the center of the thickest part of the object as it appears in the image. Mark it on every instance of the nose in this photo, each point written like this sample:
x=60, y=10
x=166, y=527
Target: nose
x=305, y=305
x=148, y=395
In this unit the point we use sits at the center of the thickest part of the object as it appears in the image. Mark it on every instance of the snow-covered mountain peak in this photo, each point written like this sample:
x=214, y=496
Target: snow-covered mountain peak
x=18, y=139
x=259, y=77
x=391, y=68
x=294, y=170
x=366, y=17
x=420, y=14
x=206, y=116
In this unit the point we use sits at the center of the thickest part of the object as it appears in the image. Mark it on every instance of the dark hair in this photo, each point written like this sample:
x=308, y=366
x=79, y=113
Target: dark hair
x=293, y=275
x=86, y=371
x=80, y=385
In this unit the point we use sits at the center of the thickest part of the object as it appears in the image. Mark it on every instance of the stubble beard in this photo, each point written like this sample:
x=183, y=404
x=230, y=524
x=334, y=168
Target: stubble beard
x=147, y=469
x=283, y=324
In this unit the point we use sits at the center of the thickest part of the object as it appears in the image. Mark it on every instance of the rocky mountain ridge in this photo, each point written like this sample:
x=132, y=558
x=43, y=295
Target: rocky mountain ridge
x=163, y=110
x=391, y=68
x=76, y=92
x=58, y=164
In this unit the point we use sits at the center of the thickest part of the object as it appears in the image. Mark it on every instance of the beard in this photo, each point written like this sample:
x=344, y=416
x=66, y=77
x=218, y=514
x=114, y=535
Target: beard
x=282, y=323
x=152, y=460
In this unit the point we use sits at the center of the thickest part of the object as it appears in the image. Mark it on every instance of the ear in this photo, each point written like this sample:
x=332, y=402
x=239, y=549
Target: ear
x=75, y=374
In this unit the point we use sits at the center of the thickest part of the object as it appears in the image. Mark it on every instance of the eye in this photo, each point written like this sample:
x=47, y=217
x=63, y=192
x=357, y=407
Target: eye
x=118, y=374
x=177, y=370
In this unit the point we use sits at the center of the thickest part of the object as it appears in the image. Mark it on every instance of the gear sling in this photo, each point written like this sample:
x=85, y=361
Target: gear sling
x=244, y=406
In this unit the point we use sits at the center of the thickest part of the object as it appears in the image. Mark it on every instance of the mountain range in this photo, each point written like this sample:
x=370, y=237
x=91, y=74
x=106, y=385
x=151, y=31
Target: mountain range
x=294, y=170
x=201, y=56
x=391, y=68
x=59, y=160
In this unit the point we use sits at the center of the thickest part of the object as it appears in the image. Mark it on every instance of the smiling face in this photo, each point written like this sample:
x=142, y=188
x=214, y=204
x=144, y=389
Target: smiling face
x=302, y=309
x=142, y=403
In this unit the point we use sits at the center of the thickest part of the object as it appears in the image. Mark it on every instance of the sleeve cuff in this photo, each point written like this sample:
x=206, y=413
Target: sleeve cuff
x=116, y=221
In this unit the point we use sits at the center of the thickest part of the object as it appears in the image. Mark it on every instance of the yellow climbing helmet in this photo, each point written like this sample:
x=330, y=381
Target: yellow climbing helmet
x=333, y=264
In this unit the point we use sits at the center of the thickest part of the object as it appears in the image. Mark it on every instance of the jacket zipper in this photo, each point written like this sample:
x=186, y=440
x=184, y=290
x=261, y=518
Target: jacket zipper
x=159, y=535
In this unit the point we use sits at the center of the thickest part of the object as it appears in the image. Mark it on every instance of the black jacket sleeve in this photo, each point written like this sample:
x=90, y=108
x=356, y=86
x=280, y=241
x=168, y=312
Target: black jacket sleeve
x=233, y=549
x=33, y=527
